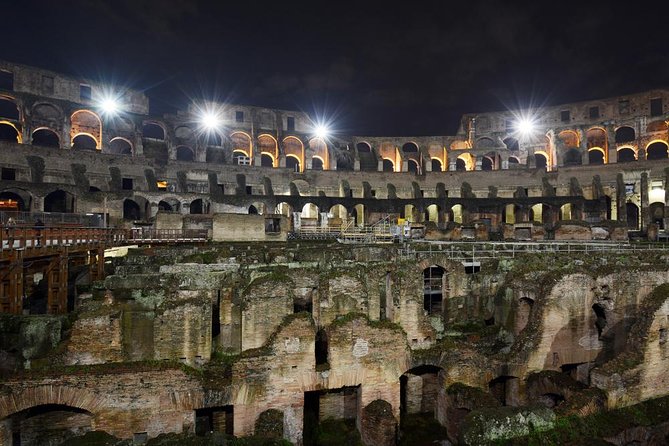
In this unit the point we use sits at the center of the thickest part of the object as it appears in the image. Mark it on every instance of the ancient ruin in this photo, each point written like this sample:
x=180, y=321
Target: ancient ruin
x=160, y=279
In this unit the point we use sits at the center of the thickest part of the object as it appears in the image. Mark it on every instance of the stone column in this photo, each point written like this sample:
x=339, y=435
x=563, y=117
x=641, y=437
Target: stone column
x=645, y=211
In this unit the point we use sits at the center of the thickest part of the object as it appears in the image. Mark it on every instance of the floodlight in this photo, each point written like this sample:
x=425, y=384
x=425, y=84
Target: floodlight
x=321, y=131
x=110, y=105
x=525, y=126
x=209, y=120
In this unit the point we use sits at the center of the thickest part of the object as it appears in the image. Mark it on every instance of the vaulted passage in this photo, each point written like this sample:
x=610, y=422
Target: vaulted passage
x=214, y=419
x=49, y=424
x=331, y=414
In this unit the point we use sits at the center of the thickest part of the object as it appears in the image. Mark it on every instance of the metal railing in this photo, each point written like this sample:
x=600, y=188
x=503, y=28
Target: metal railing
x=53, y=218
x=28, y=237
x=147, y=235
x=494, y=250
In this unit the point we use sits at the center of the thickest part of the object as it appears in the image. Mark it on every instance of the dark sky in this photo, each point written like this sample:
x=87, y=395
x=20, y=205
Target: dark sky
x=371, y=68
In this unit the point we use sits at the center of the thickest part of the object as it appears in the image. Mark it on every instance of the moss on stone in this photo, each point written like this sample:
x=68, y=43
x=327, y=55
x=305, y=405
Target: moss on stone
x=270, y=424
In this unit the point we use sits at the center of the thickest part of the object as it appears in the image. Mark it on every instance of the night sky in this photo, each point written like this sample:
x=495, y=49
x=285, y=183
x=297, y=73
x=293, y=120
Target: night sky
x=371, y=68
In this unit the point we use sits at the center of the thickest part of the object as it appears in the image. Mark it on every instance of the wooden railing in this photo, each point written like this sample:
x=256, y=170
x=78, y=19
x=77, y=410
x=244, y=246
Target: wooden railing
x=35, y=238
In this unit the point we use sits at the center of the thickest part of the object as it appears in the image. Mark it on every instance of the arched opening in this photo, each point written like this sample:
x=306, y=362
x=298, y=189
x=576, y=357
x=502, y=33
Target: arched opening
x=169, y=205
x=596, y=137
x=153, y=131
x=321, y=350
x=456, y=213
x=410, y=148
x=433, y=286
x=505, y=389
x=510, y=213
x=626, y=155
x=359, y=215
x=131, y=210
x=409, y=213
x=266, y=160
x=9, y=133
x=432, y=213
x=284, y=209
x=85, y=122
x=241, y=147
x=465, y=162
x=657, y=151
x=486, y=163
x=363, y=147
x=514, y=163
x=536, y=213
x=239, y=158
x=309, y=212
x=338, y=215
x=197, y=207
x=388, y=165
x=9, y=110
x=84, y=142
x=656, y=126
x=632, y=212
x=185, y=154
x=511, y=144
x=595, y=156
x=566, y=211
x=522, y=315
x=47, y=424
x=569, y=139
x=253, y=210
x=316, y=164
x=540, y=161
x=437, y=166
x=625, y=134
x=59, y=201
x=419, y=396
x=657, y=214
x=293, y=163
x=572, y=157
x=46, y=138
x=120, y=146
x=600, y=318
x=413, y=166
x=11, y=201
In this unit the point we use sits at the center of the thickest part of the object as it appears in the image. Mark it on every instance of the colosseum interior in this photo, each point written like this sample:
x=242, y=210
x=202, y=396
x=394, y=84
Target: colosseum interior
x=162, y=281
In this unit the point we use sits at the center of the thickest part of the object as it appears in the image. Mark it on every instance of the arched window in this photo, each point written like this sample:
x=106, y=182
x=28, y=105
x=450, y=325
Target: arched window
x=131, y=210
x=656, y=151
x=293, y=163
x=185, y=154
x=84, y=142
x=410, y=148
x=572, y=157
x=9, y=110
x=625, y=134
x=9, y=133
x=539, y=160
x=486, y=163
x=413, y=166
x=595, y=157
x=120, y=146
x=626, y=155
x=460, y=165
x=85, y=123
x=363, y=147
x=153, y=131
x=266, y=160
x=316, y=164
x=46, y=138
x=59, y=201
x=511, y=144
x=388, y=165
x=436, y=165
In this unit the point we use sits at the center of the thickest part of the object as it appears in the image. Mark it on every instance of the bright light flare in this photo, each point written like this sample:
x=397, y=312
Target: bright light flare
x=321, y=131
x=525, y=126
x=110, y=105
x=210, y=120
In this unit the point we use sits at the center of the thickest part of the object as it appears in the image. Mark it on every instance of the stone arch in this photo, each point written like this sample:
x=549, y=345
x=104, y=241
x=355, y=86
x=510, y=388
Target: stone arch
x=363, y=147
x=317, y=163
x=657, y=150
x=9, y=109
x=339, y=213
x=490, y=161
x=633, y=216
x=266, y=160
x=241, y=142
x=468, y=162
x=84, y=141
x=45, y=137
x=541, y=160
x=437, y=165
x=511, y=144
x=596, y=137
x=284, y=208
x=359, y=215
x=119, y=146
x=460, y=145
x=626, y=154
x=46, y=114
x=184, y=133
x=572, y=157
x=484, y=143
x=388, y=165
x=310, y=212
x=85, y=122
x=656, y=211
x=319, y=151
x=50, y=395
x=185, y=153
x=624, y=134
x=293, y=146
x=199, y=206
x=567, y=211
x=514, y=162
x=596, y=156
x=569, y=138
x=419, y=390
x=153, y=130
x=131, y=210
x=456, y=213
x=413, y=166
x=59, y=201
x=537, y=213
x=293, y=163
x=657, y=126
x=10, y=132
x=23, y=198
x=433, y=213
x=511, y=214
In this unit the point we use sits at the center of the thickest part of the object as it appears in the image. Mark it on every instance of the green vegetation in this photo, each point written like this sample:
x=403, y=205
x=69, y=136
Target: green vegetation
x=338, y=433
x=421, y=430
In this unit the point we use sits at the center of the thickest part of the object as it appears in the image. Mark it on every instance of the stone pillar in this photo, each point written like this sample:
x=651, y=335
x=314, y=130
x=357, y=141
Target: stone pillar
x=452, y=165
x=478, y=163
x=621, y=198
x=378, y=426
x=645, y=211
x=356, y=165
x=379, y=166
x=666, y=199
